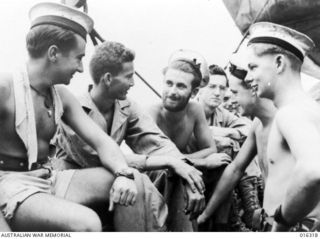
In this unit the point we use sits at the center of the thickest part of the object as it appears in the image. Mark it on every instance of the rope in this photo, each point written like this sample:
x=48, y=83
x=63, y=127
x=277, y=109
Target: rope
x=141, y=78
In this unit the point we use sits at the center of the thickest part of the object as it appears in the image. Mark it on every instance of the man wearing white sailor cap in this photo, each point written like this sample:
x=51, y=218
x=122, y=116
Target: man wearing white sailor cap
x=35, y=197
x=243, y=170
x=292, y=192
x=197, y=58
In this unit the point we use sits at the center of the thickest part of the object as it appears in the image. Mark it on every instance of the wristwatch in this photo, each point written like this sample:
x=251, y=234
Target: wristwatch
x=278, y=217
x=126, y=172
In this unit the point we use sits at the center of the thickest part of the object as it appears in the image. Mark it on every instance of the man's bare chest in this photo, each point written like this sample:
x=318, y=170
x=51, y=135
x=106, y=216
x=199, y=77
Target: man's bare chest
x=44, y=118
x=262, y=138
x=278, y=151
x=179, y=132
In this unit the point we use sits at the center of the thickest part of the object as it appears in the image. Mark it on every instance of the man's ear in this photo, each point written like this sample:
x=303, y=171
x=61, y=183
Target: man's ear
x=280, y=63
x=106, y=79
x=53, y=53
x=194, y=92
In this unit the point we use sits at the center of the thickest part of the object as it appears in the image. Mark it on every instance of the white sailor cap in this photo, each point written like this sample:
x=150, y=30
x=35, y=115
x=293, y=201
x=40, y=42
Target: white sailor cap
x=195, y=58
x=237, y=65
x=61, y=15
x=291, y=40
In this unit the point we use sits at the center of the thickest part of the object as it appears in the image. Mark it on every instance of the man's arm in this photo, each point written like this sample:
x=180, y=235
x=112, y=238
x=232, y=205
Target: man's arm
x=207, y=156
x=302, y=136
x=6, y=92
x=231, y=176
x=156, y=150
x=226, y=132
x=201, y=133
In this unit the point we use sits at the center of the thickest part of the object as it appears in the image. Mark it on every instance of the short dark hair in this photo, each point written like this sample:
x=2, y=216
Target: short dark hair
x=217, y=70
x=40, y=38
x=109, y=57
x=187, y=67
x=269, y=49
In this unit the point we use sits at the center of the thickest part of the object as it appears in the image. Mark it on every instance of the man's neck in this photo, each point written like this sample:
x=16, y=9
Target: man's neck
x=171, y=116
x=264, y=110
x=208, y=110
x=38, y=75
x=103, y=103
x=289, y=90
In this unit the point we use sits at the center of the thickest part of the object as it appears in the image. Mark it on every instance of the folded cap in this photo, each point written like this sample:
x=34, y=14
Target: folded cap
x=291, y=40
x=61, y=15
x=194, y=57
x=237, y=66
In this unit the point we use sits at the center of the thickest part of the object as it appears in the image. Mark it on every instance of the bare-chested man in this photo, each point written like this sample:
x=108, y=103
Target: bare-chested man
x=34, y=197
x=256, y=142
x=181, y=119
x=275, y=57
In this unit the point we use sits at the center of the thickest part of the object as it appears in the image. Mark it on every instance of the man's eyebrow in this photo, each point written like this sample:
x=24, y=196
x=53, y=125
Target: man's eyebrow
x=182, y=83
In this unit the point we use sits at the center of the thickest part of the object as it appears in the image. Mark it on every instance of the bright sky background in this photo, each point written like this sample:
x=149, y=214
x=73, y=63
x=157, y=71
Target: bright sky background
x=152, y=28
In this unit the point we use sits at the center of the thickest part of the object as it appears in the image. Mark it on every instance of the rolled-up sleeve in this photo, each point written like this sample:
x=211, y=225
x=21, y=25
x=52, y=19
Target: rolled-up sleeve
x=230, y=120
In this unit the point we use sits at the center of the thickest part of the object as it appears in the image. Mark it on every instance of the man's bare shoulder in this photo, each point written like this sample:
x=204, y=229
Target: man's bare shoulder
x=256, y=123
x=256, y=126
x=5, y=87
x=286, y=113
x=298, y=115
x=195, y=109
x=292, y=112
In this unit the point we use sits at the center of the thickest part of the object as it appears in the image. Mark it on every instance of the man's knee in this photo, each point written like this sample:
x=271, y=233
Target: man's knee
x=150, y=204
x=88, y=222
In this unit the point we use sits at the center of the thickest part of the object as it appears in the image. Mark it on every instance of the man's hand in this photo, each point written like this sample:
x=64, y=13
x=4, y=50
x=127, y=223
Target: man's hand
x=202, y=218
x=190, y=174
x=195, y=203
x=216, y=160
x=123, y=191
x=224, y=142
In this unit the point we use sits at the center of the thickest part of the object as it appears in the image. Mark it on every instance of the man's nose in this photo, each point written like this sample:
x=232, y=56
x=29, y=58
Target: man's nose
x=131, y=83
x=234, y=99
x=217, y=92
x=173, y=90
x=248, y=80
x=80, y=67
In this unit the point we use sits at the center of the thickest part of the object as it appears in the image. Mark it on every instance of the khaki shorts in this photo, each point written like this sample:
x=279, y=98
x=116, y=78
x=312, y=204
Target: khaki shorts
x=15, y=188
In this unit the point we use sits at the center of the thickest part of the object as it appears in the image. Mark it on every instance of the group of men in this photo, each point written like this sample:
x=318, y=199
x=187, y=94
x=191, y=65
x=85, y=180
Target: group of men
x=62, y=168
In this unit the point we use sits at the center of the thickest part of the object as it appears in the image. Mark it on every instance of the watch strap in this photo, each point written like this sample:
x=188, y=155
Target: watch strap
x=124, y=173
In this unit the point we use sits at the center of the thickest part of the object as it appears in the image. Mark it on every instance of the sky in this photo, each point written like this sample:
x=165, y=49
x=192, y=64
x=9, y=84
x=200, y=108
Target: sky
x=152, y=28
